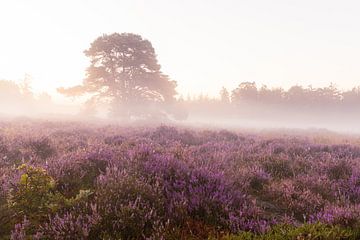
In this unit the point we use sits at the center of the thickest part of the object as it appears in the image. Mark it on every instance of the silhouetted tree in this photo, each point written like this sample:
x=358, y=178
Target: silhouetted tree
x=9, y=91
x=125, y=72
x=25, y=87
x=224, y=95
x=329, y=95
x=270, y=96
x=16, y=98
x=295, y=96
x=352, y=98
x=245, y=92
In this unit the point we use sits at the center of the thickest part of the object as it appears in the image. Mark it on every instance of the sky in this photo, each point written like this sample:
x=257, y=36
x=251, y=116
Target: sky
x=201, y=44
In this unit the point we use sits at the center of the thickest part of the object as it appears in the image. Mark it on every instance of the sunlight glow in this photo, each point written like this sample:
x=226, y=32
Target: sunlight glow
x=278, y=43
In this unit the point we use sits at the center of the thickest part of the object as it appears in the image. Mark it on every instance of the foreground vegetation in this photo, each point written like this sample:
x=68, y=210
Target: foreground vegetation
x=77, y=181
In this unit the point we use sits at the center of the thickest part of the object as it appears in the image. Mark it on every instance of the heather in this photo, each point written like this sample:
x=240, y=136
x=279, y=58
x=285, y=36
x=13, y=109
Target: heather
x=69, y=180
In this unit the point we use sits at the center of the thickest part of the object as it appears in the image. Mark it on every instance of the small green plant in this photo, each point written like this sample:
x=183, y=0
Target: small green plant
x=316, y=231
x=35, y=196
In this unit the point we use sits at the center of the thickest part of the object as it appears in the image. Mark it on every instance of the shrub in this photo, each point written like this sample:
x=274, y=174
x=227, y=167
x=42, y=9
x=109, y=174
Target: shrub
x=316, y=231
x=19, y=232
x=347, y=216
x=350, y=188
x=339, y=170
x=42, y=148
x=79, y=170
x=294, y=200
x=71, y=225
x=258, y=179
x=279, y=168
x=202, y=195
x=130, y=208
x=33, y=195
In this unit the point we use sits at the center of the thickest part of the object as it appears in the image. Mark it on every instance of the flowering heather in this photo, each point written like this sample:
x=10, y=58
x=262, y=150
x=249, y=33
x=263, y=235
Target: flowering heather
x=79, y=181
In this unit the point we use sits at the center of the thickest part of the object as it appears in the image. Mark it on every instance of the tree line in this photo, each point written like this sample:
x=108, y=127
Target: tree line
x=297, y=95
x=124, y=74
x=298, y=104
x=18, y=98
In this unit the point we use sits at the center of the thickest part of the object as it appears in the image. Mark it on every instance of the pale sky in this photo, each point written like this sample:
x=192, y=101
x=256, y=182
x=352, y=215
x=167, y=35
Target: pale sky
x=202, y=44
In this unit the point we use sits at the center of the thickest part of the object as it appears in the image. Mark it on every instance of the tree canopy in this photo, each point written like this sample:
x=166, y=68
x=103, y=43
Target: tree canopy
x=125, y=72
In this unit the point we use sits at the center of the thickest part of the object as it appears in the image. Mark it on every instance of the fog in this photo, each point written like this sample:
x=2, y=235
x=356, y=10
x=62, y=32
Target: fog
x=169, y=69
x=124, y=84
x=246, y=107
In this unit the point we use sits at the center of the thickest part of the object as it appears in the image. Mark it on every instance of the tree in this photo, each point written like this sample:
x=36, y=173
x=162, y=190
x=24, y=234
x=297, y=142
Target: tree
x=296, y=95
x=270, y=96
x=245, y=92
x=124, y=72
x=9, y=91
x=15, y=97
x=329, y=96
x=25, y=87
x=224, y=96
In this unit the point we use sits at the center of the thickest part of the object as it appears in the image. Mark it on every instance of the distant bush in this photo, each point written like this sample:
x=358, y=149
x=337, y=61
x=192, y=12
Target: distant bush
x=279, y=168
x=42, y=148
x=339, y=170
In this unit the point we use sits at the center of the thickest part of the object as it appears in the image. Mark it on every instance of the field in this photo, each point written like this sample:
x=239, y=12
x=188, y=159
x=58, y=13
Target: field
x=62, y=180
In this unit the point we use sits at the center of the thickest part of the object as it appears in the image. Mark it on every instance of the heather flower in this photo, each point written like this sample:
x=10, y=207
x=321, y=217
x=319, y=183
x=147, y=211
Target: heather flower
x=112, y=182
x=70, y=226
x=19, y=232
x=348, y=215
